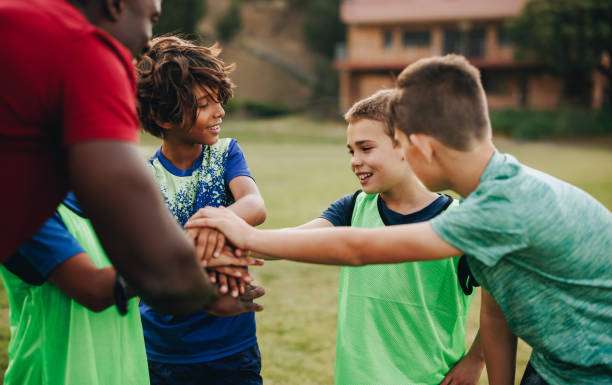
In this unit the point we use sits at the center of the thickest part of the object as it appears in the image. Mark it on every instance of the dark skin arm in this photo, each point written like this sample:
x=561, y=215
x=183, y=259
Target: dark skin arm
x=141, y=238
x=85, y=283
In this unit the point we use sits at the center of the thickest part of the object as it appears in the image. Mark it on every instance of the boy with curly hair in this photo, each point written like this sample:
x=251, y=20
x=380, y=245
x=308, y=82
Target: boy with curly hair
x=181, y=91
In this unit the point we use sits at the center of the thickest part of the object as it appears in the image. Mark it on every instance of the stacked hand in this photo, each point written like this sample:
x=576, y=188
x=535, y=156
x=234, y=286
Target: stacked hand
x=226, y=268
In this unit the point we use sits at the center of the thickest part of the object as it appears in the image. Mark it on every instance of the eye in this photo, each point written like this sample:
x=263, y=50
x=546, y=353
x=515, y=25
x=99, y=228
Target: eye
x=203, y=105
x=366, y=148
x=351, y=151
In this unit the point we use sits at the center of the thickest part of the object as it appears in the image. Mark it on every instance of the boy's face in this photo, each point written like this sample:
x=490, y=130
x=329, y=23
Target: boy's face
x=207, y=126
x=376, y=162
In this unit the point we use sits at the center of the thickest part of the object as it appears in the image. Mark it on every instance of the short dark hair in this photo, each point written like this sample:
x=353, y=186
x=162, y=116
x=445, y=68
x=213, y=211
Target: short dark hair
x=442, y=97
x=374, y=107
x=168, y=75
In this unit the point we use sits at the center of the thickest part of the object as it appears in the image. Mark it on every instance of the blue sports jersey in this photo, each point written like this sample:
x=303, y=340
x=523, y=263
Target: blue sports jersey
x=198, y=337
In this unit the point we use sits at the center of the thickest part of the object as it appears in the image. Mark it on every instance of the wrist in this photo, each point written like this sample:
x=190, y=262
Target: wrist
x=250, y=240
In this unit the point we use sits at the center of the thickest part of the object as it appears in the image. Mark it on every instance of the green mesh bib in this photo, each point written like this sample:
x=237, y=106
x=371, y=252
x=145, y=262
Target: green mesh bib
x=55, y=340
x=398, y=323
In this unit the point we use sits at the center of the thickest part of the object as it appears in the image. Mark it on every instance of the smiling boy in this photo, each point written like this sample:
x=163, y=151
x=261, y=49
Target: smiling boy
x=539, y=246
x=181, y=91
x=397, y=323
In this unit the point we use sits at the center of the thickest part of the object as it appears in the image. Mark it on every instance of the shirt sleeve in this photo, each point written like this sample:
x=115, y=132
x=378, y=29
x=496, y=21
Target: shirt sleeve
x=50, y=246
x=340, y=212
x=484, y=226
x=236, y=163
x=98, y=93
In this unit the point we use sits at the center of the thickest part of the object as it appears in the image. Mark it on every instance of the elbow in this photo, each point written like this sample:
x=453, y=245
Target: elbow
x=259, y=214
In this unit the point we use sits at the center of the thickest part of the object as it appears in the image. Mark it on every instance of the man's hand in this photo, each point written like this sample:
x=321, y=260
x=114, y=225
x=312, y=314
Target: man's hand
x=226, y=306
x=235, y=229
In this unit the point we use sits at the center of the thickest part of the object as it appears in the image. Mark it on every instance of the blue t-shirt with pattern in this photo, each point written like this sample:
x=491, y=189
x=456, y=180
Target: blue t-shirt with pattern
x=198, y=337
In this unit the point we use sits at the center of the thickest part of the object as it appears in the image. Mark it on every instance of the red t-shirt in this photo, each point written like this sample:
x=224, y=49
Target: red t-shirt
x=63, y=81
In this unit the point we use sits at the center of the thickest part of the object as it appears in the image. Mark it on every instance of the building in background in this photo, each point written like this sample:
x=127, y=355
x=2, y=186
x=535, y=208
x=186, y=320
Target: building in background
x=384, y=36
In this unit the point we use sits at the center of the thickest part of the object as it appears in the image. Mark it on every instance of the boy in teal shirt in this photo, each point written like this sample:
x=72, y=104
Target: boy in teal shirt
x=538, y=246
x=397, y=323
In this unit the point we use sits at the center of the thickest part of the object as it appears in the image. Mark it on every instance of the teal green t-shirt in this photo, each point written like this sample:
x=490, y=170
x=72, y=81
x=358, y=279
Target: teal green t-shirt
x=543, y=249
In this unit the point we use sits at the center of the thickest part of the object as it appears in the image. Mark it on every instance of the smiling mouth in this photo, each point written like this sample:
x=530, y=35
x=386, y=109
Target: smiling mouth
x=364, y=175
x=214, y=128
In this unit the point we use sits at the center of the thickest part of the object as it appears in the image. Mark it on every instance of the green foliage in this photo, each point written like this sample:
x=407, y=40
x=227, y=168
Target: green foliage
x=180, y=16
x=563, y=123
x=259, y=109
x=569, y=36
x=322, y=26
x=231, y=22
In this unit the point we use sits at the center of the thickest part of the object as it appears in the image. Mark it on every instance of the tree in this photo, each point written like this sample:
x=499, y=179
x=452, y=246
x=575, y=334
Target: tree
x=180, y=16
x=231, y=22
x=569, y=36
x=322, y=26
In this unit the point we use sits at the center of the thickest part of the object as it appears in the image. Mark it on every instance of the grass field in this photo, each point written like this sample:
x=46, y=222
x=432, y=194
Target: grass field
x=300, y=167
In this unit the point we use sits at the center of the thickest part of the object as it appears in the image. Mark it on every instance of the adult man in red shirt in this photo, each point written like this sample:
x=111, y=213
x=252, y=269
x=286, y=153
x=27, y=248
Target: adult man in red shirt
x=68, y=120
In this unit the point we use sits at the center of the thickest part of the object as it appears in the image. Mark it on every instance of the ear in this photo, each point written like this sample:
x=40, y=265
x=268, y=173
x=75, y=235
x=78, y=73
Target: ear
x=165, y=125
x=113, y=8
x=423, y=144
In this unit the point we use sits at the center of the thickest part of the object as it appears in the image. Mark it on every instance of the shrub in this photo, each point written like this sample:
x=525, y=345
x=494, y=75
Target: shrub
x=562, y=123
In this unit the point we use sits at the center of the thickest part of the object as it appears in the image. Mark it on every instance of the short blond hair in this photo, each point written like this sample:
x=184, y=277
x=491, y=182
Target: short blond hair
x=374, y=107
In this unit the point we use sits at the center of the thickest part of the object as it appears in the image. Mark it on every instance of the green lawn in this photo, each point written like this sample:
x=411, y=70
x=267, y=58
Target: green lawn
x=301, y=166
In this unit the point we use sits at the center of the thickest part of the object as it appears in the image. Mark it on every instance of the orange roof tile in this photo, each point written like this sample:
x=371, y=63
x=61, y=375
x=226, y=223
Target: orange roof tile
x=387, y=11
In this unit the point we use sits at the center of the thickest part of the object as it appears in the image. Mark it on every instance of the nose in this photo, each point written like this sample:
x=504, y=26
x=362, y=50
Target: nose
x=220, y=112
x=355, y=161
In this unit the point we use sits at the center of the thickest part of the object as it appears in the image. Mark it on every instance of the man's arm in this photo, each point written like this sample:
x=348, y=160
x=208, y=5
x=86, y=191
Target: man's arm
x=337, y=246
x=133, y=224
x=498, y=341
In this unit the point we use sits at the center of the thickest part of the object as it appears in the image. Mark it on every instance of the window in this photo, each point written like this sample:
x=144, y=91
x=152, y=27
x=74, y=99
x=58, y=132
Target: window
x=470, y=43
x=387, y=38
x=415, y=38
x=503, y=36
x=476, y=43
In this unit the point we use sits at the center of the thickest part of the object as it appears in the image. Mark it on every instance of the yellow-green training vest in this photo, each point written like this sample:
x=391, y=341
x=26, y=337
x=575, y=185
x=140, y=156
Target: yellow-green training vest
x=55, y=340
x=398, y=323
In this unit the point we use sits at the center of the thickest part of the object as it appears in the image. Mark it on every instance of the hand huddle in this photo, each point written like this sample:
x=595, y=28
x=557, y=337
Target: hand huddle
x=225, y=264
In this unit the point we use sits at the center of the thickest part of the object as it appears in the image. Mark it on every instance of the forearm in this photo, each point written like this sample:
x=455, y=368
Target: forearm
x=347, y=246
x=140, y=237
x=251, y=208
x=499, y=344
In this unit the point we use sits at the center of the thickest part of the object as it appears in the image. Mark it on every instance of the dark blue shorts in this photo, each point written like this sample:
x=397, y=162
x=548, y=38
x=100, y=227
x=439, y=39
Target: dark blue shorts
x=238, y=369
x=531, y=377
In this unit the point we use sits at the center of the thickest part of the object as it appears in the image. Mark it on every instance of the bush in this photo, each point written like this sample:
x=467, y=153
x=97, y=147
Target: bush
x=231, y=22
x=562, y=123
x=264, y=110
x=180, y=16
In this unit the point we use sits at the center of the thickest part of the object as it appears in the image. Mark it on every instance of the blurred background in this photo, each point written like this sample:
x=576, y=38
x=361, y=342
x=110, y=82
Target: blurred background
x=545, y=65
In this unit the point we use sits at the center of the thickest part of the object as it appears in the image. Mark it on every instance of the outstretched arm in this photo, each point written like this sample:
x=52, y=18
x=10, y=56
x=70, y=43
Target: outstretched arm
x=498, y=341
x=337, y=246
x=133, y=224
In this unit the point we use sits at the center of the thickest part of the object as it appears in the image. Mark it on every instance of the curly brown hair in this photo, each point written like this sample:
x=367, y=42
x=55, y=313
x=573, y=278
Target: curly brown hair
x=168, y=75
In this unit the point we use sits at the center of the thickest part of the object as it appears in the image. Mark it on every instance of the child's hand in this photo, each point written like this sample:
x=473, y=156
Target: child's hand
x=227, y=306
x=229, y=258
x=235, y=228
x=208, y=242
x=234, y=284
x=465, y=372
